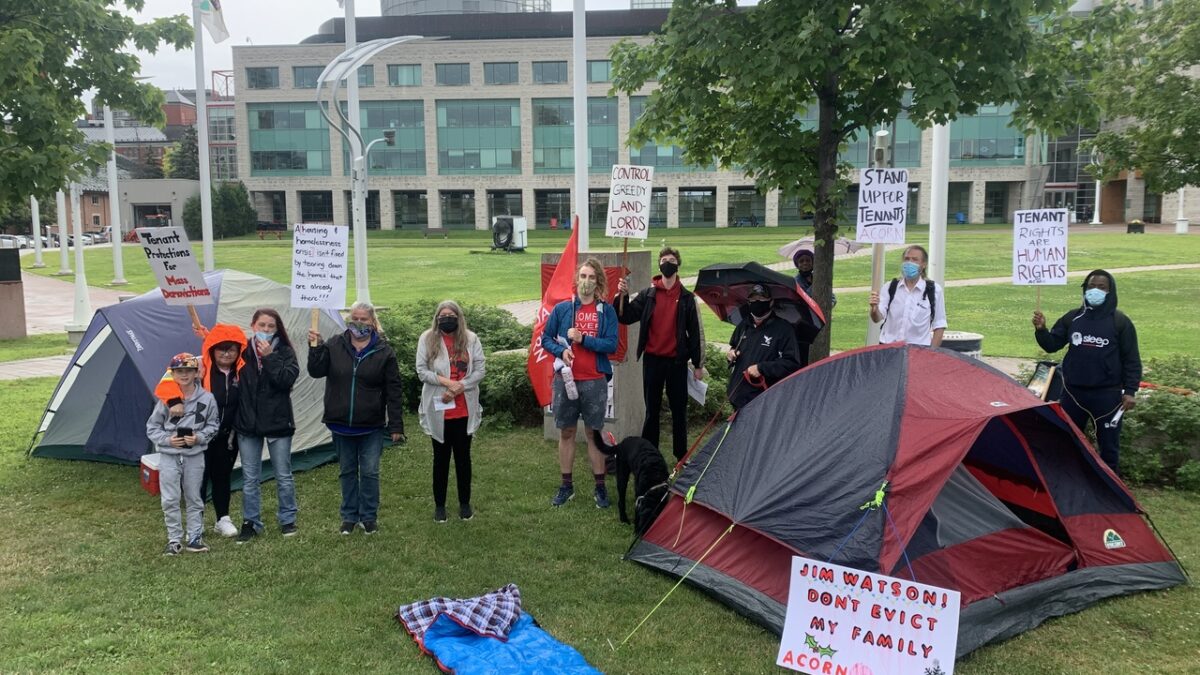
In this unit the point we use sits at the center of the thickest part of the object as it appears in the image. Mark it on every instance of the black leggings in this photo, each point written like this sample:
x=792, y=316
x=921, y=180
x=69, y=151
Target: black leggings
x=458, y=443
x=218, y=468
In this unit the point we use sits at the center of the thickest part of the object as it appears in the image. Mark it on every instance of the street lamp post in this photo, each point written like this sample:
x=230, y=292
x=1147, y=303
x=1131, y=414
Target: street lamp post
x=1096, y=205
x=344, y=66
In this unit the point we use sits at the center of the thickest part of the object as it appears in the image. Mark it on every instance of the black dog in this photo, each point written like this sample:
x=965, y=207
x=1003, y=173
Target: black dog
x=638, y=456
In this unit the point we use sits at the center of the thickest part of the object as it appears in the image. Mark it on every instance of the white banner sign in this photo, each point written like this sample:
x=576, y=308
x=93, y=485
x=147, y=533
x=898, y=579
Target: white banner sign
x=171, y=258
x=319, y=254
x=882, y=206
x=629, y=202
x=848, y=622
x=1040, y=247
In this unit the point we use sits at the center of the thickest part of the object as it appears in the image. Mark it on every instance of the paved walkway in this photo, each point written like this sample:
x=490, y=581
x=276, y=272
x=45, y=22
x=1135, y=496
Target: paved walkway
x=49, y=366
x=50, y=301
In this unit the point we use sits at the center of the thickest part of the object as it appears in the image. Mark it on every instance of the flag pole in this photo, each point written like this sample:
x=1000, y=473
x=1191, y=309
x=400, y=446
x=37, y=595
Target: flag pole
x=206, y=224
x=579, y=80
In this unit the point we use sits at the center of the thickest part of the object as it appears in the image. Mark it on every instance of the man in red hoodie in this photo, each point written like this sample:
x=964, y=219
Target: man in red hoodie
x=669, y=339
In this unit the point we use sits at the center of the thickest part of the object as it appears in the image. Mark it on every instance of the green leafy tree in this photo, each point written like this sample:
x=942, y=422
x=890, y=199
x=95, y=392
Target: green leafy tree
x=183, y=159
x=51, y=53
x=775, y=90
x=233, y=214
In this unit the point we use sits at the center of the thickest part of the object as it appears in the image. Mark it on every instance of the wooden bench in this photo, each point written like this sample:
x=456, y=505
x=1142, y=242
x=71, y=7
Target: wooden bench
x=436, y=231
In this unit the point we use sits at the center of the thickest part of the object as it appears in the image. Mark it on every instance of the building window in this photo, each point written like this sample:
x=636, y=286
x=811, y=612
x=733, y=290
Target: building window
x=458, y=209
x=479, y=137
x=658, y=207
x=95, y=218
x=262, y=78
x=316, y=206
x=366, y=76
x=987, y=139
x=552, y=208
x=404, y=75
x=503, y=203
x=411, y=209
x=597, y=208
x=663, y=157
x=221, y=124
x=407, y=119
x=549, y=72
x=599, y=71
x=270, y=205
x=305, y=77
x=554, y=135
x=791, y=212
x=453, y=74
x=500, y=73
x=95, y=200
x=746, y=207
x=224, y=162
x=288, y=139
x=697, y=207
x=372, y=204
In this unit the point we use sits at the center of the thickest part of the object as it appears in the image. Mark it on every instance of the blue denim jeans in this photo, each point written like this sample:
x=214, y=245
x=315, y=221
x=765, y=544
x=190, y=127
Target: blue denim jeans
x=280, y=450
x=358, y=458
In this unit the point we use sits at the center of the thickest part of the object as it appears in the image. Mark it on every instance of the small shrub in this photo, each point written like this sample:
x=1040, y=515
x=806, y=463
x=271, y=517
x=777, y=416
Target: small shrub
x=505, y=393
x=1179, y=370
x=1188, y=476
x=1161, y=436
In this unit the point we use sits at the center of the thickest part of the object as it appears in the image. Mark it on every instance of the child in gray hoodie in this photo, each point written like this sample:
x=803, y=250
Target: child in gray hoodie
x=182, y=440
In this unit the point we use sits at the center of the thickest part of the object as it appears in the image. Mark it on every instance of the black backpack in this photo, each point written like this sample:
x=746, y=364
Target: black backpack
x=930, y=295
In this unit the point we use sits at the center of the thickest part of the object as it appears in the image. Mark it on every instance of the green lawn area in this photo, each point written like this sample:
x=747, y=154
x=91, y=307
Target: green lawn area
x=35, y=346
x=83, y=586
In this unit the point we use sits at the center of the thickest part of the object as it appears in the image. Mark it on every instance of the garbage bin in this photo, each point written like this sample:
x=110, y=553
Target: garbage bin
x=968, y=344
x=12, y=295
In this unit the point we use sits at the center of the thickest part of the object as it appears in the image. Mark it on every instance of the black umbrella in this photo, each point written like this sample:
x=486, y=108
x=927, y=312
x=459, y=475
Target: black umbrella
x=724, y=287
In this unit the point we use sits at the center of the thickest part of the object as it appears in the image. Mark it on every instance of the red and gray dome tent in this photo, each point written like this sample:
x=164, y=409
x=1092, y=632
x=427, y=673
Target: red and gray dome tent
x=992, y=492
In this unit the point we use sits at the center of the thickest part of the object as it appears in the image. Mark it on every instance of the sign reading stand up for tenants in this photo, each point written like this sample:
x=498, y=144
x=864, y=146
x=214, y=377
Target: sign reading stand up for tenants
x=882, y=213
x=843, y=621
x=171, y=258
x=629, y=202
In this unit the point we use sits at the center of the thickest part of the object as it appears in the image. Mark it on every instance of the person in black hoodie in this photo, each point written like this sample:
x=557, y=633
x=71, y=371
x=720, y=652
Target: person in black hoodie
x=668, y=340
x=363, y=401
x=1102, y=369
x=762, y=350
x=265, y=415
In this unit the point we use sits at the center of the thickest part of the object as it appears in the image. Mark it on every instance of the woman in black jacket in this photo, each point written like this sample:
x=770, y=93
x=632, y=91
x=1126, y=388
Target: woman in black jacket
x=265, y=415
x=363, y=398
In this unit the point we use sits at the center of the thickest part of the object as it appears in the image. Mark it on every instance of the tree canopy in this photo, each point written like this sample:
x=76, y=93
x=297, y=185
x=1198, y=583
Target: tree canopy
x=183, y=159
x=776, y=89
x=51, y=53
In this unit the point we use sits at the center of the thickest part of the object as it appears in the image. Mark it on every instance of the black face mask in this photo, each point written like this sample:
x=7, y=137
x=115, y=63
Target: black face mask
x=668, y=269
x=760, y=307
x=448, y=324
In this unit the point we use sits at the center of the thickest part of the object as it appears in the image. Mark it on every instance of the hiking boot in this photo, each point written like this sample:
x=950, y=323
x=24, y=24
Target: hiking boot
x=173, y=548
x=370, y=527
x=248, y=532
x=465, y=512
x=602, y=497
x=289, y=530
x=225, y=527
x=565, y=494
x=197, y=545
x=439, y=514
x=347, y=527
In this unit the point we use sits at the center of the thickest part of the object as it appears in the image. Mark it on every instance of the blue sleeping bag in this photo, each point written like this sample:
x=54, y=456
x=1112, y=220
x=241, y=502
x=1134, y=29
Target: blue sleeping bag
x=528, y=650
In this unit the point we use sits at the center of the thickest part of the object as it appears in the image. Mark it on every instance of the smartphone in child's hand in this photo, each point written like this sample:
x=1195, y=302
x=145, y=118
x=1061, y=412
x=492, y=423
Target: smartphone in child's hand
x=183, y=432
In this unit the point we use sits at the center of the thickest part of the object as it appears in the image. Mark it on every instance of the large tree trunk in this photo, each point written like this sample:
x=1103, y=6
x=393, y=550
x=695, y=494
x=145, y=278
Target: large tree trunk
x=825, y=214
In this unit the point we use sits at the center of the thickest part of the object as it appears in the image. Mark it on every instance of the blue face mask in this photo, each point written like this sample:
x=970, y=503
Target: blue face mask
x=910, y=269
x=265, y=337
x=1095, y=297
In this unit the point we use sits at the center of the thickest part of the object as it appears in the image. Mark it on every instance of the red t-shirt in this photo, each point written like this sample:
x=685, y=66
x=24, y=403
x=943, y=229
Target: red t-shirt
x=458, y=370
x=662, y=340
x=587, y=321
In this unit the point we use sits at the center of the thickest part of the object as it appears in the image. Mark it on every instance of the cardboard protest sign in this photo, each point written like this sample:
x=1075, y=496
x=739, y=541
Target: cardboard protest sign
x=319, y=254
x=882, y=213
x=629, y=202
x=849, y=622
x=174, y=266
x=1040, y=247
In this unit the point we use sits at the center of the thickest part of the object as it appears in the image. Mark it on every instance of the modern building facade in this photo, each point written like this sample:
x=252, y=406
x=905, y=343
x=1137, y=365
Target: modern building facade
x=422, y=7
x=484, y=127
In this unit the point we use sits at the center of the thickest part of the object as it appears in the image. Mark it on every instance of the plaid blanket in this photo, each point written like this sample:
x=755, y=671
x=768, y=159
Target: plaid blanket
x=491, y=614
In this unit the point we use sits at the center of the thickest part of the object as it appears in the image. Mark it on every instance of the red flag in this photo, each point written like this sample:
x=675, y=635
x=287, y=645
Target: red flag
x=562, y=287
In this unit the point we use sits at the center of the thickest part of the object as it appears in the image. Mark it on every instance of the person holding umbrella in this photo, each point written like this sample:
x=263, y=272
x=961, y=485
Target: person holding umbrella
x=803, y=260
x=763, y=349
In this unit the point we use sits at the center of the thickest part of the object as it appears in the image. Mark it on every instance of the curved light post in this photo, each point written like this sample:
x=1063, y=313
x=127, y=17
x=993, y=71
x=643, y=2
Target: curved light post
x=343, y=66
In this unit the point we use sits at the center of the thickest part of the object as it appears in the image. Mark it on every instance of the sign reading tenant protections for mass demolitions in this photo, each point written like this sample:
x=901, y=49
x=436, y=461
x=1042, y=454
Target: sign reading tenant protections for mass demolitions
x=171, y=258
x=319, y=265
x=849, y=622
x=882, y=206
x=629, y=202
x=1040, y=247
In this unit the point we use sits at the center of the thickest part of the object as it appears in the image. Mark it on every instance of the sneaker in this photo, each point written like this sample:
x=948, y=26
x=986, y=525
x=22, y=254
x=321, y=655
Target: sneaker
x=439, y=514
x=347, y=527
x=197, y=546
x=173, y=548
x=288, y=530
x=225, y=527
x=248, y=532
x=602, y=497
x=370, y=527
x=465, y=512
x=565, y=494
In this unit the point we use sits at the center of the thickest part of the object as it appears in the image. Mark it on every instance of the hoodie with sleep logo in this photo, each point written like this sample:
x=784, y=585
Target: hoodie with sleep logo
x=1102, y=349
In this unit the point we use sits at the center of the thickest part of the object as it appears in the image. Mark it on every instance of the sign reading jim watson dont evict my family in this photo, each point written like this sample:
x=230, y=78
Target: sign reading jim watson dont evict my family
x=1040, y=247
x=882, y=206
x=319, y=254
x=171, y=258
x=843, y=621
x=629, y=202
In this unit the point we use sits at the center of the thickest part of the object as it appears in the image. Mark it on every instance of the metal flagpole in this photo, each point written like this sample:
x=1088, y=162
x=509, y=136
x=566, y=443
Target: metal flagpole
x=579, y=66
x=116, y=233
x=36, y=217
x=206, y=224
x=64, y=265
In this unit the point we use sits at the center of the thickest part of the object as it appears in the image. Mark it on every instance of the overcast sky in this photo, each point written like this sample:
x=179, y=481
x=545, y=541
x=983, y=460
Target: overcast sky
x=264, y=22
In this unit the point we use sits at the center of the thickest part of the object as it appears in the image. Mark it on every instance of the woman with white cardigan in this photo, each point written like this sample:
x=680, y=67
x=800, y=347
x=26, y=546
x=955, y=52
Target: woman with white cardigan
x=450, y=367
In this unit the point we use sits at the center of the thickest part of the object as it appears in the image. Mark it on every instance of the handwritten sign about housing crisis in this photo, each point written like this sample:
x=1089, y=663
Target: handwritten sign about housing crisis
x=882, y=205
x=171, y=258
x=843, y=621
x=1040, y=247
x=319, y=255
x=629, y=202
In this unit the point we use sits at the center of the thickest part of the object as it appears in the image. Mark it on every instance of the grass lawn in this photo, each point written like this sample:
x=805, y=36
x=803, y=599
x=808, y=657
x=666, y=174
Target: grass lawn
x=83, y=586
x=35, y=346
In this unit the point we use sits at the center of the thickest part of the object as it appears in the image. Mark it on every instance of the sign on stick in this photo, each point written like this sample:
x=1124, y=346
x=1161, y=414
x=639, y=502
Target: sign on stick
x=882, y=206
x=171, y=258
x=629, y=202
x=1040, y=247
x=319, y=254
